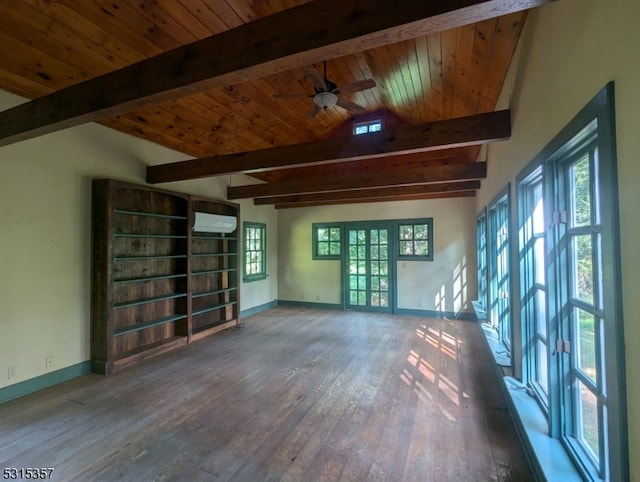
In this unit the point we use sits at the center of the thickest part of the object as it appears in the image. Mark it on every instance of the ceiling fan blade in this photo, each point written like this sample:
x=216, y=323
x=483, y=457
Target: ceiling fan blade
x=314, y=110
x=350, y=106
x=357, y=86
x=315, y=78
x=291, y=96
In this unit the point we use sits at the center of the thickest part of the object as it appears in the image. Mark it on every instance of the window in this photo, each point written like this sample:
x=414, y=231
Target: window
x=481, y=246
x=415, y=239
x=498, y=249
x=327, y=241
x=255, y=251
x=533, y=291
x=570, y=284
x=366, y=127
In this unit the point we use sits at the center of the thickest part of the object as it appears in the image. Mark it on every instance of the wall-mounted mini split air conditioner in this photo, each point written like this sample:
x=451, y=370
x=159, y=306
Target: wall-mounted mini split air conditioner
x=214, y=223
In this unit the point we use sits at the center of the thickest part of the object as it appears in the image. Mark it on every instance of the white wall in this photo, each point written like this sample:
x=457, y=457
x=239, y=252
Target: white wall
x=45, y=238
x=445, y=284
x=568, y=51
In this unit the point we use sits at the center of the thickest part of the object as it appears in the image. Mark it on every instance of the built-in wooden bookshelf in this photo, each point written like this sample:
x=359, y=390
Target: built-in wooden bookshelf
x=156, y=284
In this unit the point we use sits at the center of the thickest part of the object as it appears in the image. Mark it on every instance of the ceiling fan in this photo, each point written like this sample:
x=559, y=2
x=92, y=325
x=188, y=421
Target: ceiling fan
x=328, y=94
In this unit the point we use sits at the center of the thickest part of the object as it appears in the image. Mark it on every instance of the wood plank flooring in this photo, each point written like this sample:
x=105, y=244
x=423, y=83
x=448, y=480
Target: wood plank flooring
x=293, y=394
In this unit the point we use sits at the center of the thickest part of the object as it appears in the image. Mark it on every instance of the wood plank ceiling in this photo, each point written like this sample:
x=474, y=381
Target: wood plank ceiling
x=49, y=45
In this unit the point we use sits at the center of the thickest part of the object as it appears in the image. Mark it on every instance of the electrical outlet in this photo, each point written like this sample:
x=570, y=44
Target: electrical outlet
x=48, y=362
x=12, y=372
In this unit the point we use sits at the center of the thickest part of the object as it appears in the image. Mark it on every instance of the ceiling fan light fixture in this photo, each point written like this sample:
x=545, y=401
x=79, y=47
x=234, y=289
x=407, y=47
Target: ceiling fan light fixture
x=325, y=99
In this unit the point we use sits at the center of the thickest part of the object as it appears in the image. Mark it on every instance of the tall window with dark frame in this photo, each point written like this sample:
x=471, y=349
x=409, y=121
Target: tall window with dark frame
x=533, y=288
x=499, y=311
x=255, y=251
x=570, y=291
x=481, y=247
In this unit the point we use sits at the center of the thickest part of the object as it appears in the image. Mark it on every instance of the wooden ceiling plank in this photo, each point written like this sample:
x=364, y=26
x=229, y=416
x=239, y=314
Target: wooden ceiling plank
x=227, y=14
x=417, y=197
x=33, y=28
x=395, y=191
x=462, y=86
x=481, y=55
x=448, y=40
x=508, y=30
x=295, y=37
x=127, y=19
x=471, y=130
x=445, y=173
x=20, y=85
x=153, y=11
x=421, y=52
x=434, y=45
x=194, y=24
x=36, y=65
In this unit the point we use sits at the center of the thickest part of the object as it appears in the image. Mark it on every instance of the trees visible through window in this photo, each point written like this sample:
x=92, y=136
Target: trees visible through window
x=327, y=241
x=255, y=256
x=415, y=239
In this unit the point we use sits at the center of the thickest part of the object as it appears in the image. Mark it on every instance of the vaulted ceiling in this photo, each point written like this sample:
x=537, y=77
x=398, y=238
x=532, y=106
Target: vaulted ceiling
x=202, y=77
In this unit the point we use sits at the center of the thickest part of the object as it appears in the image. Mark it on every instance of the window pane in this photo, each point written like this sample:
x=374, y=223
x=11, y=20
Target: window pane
x=421, y=231
x=334, y=234
x=586, y=335
x=361, y=130
x=541, y=357
x=323, y=234
x=406, y=232
x=580, y=192
x=587, y=429
x=334, y=249
x=422, y=248
x=538, y=211
x=538, y=253
x=406, y=248
x=323, y=249
x=541, y=318
x=383, y=237
x=583, y=268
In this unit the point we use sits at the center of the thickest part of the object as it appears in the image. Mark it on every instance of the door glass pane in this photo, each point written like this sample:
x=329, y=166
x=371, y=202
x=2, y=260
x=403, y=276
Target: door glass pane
x=599, y=275
x=586, y=336
x=580, y=192
x=587, y=428
x=583, y=268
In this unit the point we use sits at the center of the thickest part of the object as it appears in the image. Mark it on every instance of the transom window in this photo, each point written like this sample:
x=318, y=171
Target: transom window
x=255, y=255
x=366, y=127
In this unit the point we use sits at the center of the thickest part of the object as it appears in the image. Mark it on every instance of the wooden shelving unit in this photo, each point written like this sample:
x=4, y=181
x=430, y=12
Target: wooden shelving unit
x=156, y=284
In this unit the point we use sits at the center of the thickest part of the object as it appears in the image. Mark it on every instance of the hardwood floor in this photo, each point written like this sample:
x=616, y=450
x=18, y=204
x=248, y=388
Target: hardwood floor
x=293, y=394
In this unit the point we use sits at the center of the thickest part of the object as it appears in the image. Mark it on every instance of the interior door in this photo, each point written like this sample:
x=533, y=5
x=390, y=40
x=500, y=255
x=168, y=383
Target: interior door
x=367, y=268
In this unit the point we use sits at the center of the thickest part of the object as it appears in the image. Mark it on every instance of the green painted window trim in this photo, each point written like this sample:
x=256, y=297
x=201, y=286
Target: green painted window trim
x=261, y=249
x=332, y=244
x=400, y=224
x=555, y=159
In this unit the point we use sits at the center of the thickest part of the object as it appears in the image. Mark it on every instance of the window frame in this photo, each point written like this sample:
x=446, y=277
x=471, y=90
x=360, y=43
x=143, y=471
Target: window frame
x=262, y=274
x=556, y=160
x=499, y=305
x=368, y=125
x=413, y=222
x=315, y=227
x=532, y=365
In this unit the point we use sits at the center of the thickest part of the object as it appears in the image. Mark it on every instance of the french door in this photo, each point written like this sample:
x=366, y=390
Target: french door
x=367, y=269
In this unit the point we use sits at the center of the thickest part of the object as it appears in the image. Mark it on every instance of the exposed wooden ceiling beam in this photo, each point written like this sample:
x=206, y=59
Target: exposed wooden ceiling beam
x=470, y=193
x=395, y=192
x=449, y=133
x=441, y=173
x=292, y=38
